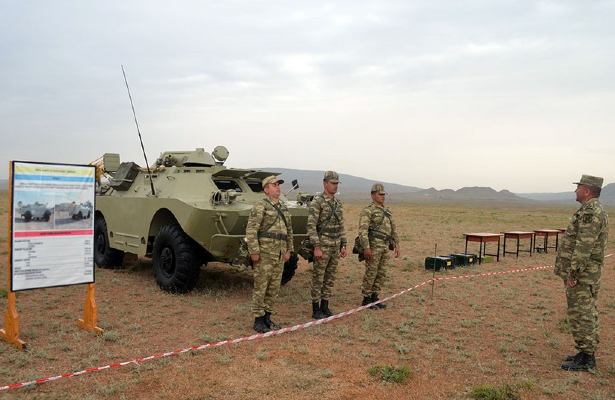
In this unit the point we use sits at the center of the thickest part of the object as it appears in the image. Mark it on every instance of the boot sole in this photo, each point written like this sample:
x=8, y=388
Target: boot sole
x=587, y=369
x=572, y=367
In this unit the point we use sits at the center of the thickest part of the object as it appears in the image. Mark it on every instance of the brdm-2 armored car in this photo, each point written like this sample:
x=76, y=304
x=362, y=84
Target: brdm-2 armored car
x=188, y=211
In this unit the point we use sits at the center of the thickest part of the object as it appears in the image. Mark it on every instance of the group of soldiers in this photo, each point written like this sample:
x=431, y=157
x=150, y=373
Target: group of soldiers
x=269, y=236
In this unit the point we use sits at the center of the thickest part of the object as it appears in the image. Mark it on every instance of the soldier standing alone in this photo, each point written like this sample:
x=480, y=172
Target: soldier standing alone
x=377, y=234
x=326, y=231
x=269, y=236
x=579, y=263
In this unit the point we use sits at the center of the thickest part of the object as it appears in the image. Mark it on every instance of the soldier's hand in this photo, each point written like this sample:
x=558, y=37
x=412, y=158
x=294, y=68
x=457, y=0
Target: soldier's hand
x=396, y=253
x=317, y=253
x=287, y=256
x=367, y=253
x=343, y=252
x=571, y=282
x=255, y=258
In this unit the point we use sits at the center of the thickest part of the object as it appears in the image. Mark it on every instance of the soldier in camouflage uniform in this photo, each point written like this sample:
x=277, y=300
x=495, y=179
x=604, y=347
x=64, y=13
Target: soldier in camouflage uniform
x=269, y=236
x=377, y=234
x=579, y=263
x=325, y=229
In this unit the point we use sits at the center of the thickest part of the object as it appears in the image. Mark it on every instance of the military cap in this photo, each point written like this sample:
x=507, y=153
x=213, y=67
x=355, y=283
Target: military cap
x=271, y=179
x=378, y=188
x=589, y=180
x=331, y=176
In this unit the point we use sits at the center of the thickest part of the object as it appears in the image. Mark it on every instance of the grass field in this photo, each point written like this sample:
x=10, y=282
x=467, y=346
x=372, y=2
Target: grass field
x=498, y=337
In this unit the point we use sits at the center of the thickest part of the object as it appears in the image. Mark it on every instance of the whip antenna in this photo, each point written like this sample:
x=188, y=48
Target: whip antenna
x=151, y=182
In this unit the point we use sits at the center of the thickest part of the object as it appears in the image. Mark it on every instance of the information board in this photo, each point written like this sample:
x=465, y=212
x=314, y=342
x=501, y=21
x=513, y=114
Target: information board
x=52, y=226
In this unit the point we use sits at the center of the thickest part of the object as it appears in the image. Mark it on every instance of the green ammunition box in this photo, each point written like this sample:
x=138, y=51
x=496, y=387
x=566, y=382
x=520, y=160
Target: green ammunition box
x=464, y=259
x=439, y=262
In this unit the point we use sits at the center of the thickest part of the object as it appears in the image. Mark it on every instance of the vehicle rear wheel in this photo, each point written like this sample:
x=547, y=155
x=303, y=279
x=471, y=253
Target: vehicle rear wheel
x=104, y=255
x=79, y=216
x=289, y=269
x=177, y=263
x=46, y=216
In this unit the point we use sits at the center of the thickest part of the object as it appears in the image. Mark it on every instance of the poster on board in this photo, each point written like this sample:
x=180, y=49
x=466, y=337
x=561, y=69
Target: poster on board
x=52, y=240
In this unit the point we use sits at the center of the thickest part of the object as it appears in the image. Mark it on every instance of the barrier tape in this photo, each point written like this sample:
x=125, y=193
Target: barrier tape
x=139, y=361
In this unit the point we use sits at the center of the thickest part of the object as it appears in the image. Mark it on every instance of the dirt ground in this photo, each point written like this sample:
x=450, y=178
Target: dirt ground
x=499, y=330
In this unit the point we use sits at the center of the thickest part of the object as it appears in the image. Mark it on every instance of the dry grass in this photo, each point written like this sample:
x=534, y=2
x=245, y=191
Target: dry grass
x=496, y=332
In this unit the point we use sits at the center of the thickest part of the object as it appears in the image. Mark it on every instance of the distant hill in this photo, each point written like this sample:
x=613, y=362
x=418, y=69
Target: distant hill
x=606, y=197
x=560, y=197
x=357, y=188
x=351, y=187
x=466, y=194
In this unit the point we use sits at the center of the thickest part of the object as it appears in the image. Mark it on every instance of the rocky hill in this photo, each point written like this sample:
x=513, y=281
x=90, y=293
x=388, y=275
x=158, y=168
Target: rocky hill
x=466, y=194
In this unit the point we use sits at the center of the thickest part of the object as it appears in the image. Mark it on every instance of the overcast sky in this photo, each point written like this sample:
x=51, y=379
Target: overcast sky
x=516, y=95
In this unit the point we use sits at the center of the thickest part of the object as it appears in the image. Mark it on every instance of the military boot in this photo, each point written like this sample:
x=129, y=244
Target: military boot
x=572, y=358
x=324, y=308
x=260, y=325
x=366, y=301
x=270, y=324
x=583, y=362
x=316, y=311
x=375, y=298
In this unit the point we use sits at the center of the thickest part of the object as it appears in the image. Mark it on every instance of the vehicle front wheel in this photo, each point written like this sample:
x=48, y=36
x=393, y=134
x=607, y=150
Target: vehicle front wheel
x=176, y=260
x=46, y=216
x=27, y=216
x=104, y=255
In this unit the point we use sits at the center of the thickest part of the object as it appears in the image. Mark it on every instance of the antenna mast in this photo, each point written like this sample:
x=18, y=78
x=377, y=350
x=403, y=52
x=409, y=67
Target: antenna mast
x=151, y=182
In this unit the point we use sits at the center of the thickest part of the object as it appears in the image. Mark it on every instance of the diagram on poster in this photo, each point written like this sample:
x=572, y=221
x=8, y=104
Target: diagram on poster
x=52, y=225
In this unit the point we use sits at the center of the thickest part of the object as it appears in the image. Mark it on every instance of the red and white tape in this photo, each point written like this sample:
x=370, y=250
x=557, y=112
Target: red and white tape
x=139, y=361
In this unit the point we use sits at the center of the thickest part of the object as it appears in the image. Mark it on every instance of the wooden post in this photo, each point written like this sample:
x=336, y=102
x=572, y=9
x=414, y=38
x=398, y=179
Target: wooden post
x=88, y=322
x=11, y=318
x=11, y=322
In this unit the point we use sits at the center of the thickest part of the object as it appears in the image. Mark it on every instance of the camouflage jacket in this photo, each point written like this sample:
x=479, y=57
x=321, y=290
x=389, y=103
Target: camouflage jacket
x=581, y=252
x=376, y=226
x=325, y=225
x=264, y=221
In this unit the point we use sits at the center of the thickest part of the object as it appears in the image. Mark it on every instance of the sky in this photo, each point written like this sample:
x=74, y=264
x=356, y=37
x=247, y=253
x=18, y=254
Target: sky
x=516, y=95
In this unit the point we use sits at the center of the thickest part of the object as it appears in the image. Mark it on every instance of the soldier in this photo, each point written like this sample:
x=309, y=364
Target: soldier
x=269, y=236
x=579, y=263
x=377, y=235
x=326, y=231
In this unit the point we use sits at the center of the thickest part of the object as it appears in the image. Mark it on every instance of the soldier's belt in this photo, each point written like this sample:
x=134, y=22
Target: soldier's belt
x=271, y=235
x=378, y=235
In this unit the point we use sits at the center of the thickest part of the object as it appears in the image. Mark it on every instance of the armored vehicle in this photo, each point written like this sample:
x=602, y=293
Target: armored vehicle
x=36, y=210
x=79, y=211
x=188, y=210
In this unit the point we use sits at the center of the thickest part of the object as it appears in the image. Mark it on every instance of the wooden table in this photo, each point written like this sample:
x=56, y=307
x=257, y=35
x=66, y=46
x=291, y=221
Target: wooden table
x=483, y=238
x=518, y=235
x=546, y=233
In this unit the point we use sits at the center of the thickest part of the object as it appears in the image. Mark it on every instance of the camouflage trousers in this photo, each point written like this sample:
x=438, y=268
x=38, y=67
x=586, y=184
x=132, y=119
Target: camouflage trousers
x=375, y=270
x=323, y=274
x=267, y=277
x=583, y=316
